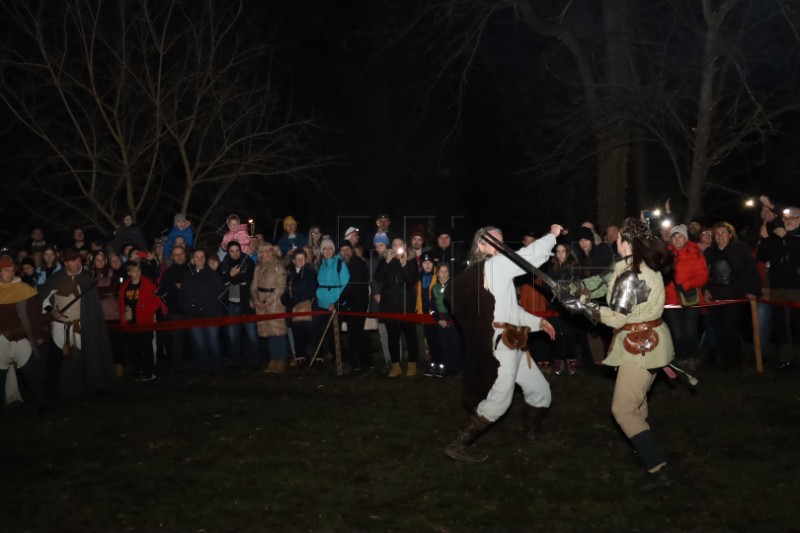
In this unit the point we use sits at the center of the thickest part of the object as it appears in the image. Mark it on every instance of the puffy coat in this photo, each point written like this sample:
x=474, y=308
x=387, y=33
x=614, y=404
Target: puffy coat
x=240, y=235
x=691, y=271
x=332, y=277
x=270, y=277
x=147, y=304
x=188, y=237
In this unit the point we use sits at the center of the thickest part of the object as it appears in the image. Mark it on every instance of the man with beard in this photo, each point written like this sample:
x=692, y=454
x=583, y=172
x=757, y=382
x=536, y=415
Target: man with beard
x=80, y=357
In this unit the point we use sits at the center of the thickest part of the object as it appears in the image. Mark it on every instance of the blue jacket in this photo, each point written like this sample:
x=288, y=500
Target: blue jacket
x=175, y=232
x=285, y=244
x=332, y=277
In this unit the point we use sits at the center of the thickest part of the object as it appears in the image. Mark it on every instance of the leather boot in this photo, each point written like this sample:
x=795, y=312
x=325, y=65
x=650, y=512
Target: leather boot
x=534, y=418
x=396, y=371
x=655, y=480
x=411, y=370
x=280, y=367
x=473, y=428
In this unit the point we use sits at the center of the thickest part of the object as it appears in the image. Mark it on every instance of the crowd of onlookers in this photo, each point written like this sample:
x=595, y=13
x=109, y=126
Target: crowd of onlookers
x=142, y=281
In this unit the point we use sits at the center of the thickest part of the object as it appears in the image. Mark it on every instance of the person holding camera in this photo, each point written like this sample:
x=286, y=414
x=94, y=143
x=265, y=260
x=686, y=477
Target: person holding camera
x=399, y=277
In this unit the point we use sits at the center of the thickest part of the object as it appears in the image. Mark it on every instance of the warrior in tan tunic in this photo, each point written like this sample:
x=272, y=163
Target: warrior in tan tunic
x=642, y=344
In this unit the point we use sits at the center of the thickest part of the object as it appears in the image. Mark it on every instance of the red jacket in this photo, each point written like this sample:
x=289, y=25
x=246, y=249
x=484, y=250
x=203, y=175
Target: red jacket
x=147, y=304
x=691, y=271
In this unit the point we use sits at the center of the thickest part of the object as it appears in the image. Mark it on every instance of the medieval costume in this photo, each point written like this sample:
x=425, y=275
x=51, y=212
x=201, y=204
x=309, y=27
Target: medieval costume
x=20, y=329
x=642, y=344
x=485, y=306
x=81, y=358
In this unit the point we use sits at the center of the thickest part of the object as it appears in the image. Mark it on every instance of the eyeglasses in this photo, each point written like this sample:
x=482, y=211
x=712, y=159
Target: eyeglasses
x=790, y=217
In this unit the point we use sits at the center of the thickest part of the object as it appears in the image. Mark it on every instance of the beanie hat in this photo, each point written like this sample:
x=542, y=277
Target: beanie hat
x=426, y=257
x=444, y=231
x=584, y=233
x=289, y=220
x=7, y=262
x=418, y=231
x=327, y=243
x=180, y=217
x=30, y=261
x=380, y=238
x=351, y=230
x=680, y=228
x=234, y=243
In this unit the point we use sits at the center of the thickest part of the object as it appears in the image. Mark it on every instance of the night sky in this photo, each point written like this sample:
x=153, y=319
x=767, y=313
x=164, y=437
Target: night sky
x=388, y=107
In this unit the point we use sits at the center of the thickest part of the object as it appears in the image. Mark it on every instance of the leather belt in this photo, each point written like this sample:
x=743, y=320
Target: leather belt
x=264, y=289
x=641, y=326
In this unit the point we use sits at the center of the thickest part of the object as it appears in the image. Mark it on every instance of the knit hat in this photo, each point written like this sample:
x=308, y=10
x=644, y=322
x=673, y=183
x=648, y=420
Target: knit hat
x=426, y=257
x=31, y=262
x=346, y=243
x=381, y=216
x=584, y=233
x=444, y=231
x=380, y=238
x=180, y=217
x=418, y=231
x=289, y=220
x=7, y=262
x=351, y=230
x=680, y=228
x=327, y=243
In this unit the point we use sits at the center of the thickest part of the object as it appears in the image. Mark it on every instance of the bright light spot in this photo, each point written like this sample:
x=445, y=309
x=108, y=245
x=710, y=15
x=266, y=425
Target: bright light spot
x=666, y=223
x=656, y=213
x=750, y=203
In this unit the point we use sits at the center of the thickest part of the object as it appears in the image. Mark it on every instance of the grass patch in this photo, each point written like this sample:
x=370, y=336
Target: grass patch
x=313, y=452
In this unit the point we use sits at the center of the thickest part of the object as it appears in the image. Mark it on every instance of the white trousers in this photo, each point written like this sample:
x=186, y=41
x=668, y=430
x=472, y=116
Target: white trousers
x=513, y=371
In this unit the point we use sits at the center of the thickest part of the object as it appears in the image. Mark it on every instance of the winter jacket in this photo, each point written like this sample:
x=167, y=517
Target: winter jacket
x=201, y=292
x=690, y=271
x=298, y=241
x=240, y=235
x=356, y=293
x=146, y=305
x=399, y=291
x=424, y=303
x=783, y=256
x=168, y=286
x=732, y=272
x=300, y=286
x=243, y=279
x=332, y=277
x=268, y=288
x=128, y=235
x=188, y=237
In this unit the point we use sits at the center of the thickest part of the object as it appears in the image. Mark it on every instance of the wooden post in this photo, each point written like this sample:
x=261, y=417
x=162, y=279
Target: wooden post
x=337, y=343
x=756, y=335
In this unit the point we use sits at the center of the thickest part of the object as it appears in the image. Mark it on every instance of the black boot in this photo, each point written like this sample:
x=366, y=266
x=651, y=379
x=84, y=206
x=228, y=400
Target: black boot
x=655, y=480
x=534, y=418
x=473, y=428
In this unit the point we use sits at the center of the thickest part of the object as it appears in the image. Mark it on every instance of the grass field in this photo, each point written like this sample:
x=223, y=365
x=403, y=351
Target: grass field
x=316, y=452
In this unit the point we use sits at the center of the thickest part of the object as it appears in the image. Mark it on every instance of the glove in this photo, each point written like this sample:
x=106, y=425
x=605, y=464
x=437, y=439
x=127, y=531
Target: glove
x=587, y=308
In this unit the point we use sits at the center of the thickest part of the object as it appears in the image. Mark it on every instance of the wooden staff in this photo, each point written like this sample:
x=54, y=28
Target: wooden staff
x=321, y=340
x=756, y=335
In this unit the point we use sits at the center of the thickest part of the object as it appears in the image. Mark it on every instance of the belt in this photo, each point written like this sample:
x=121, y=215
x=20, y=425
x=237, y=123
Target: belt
x=264, y=289
x=642, y=326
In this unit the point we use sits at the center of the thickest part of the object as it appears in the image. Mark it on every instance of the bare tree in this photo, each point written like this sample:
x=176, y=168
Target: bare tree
x=140, y=106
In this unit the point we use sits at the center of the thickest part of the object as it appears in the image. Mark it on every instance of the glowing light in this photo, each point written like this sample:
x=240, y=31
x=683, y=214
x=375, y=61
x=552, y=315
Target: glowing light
x=666, y=223
x=656, y=213
x=750, y=203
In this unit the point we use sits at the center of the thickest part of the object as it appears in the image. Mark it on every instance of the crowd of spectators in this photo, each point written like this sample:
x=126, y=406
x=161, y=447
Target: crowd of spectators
x=139, y=281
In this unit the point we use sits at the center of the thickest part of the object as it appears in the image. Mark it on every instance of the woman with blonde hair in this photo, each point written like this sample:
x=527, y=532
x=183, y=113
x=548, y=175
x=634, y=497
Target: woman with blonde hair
x=269, y=284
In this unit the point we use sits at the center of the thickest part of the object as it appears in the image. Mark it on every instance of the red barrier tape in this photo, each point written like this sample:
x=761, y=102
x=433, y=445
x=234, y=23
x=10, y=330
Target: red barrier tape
x=173, y=325
x=414, y=318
